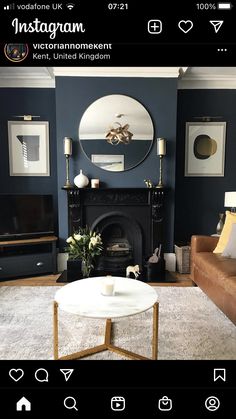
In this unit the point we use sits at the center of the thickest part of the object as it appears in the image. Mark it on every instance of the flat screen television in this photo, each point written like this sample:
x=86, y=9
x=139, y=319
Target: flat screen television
x=25, y=216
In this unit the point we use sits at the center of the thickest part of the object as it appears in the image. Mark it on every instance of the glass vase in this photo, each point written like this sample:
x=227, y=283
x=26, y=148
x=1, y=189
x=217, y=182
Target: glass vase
x=86, y=267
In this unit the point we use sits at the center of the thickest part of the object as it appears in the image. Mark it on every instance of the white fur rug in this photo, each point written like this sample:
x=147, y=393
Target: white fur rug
x=190, y=327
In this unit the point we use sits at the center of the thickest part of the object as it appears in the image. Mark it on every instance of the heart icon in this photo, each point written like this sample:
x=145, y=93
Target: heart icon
x=16, y=375
x=185, y=25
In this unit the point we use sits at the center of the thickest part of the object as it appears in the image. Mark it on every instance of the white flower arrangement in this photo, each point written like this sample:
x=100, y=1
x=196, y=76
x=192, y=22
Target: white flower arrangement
x=84, y=245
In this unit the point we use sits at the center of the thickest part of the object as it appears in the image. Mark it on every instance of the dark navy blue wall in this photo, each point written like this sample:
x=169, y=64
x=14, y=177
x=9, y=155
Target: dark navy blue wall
x=200, y=199
x=159, y=96
x=28, y=101
x=196, y=201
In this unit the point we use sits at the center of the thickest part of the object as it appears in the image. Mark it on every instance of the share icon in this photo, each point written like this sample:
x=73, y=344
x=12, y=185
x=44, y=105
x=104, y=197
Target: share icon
x=67, y=373
x=216, y=24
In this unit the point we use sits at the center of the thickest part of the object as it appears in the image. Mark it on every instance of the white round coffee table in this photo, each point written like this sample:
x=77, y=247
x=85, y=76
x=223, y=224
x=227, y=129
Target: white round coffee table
x=84, y=298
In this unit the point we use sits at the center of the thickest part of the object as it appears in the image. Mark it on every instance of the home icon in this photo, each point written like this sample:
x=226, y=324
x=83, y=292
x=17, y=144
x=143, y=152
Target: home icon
x=23, y=405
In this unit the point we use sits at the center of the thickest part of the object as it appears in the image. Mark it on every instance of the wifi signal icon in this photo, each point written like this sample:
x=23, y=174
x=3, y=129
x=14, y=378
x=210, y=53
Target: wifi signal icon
x=70, y=6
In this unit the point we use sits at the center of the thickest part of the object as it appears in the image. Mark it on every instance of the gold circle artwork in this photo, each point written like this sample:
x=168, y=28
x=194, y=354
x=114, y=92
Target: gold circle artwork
x=204, y=147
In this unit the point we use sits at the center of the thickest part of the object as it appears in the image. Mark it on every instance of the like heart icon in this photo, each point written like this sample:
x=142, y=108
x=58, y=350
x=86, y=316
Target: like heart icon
x=185, y=25
x=16, y=375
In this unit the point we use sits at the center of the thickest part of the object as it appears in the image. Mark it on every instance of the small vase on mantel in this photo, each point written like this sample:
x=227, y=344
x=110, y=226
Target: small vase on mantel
x=81, y=181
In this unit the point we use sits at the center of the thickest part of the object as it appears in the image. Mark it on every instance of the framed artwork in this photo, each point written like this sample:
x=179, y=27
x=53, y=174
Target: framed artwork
x=28, y=144
x=112, y=162
x=205, y=148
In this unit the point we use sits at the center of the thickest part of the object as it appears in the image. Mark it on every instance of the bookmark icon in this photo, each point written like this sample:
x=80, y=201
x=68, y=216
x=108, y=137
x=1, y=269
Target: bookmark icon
x=219, y=374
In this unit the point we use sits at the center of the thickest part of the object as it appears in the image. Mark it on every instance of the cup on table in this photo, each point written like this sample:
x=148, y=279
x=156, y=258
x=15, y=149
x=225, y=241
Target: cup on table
x=108, y=285
x=94, y=183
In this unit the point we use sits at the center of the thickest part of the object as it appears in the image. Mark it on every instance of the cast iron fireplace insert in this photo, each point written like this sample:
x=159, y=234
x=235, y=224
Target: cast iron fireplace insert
x=130, y=220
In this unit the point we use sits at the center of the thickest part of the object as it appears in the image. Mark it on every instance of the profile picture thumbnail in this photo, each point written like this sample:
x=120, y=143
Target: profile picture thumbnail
x=16, y=52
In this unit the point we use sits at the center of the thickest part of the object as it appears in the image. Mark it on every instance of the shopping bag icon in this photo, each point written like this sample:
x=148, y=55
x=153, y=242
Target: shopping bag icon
x=164, y=404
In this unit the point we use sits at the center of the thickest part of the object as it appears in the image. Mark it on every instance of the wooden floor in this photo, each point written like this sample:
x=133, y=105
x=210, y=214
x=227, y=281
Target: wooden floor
x=182, y=280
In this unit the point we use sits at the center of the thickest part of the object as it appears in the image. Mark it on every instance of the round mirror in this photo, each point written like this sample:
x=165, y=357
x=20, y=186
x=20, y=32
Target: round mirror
x=116, y=133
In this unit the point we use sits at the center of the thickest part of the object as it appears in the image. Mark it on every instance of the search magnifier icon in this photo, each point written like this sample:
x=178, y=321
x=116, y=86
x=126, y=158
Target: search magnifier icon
x=70, y=403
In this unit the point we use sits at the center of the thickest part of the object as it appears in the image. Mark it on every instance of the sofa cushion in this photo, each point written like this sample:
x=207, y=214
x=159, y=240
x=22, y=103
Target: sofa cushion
x=224, y=237
x=215, y=265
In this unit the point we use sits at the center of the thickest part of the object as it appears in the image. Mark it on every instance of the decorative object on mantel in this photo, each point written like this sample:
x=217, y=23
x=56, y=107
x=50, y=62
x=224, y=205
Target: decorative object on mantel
x=81, y=181
x=230, y=201
x=161, y=152
x=148, y=183
x=68, y=153
x=84, y=245
x=95, y=183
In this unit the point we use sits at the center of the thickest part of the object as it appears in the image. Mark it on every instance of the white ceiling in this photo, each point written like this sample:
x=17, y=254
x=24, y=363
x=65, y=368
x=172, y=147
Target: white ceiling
x=27, y=77
x=208, y=77
x=188, y=77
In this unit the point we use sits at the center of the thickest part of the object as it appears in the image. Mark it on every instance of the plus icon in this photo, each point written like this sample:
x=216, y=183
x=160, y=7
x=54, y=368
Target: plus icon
x=154, y=26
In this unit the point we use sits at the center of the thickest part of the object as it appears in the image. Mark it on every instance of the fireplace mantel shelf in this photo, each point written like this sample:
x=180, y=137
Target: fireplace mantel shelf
x=74, y=188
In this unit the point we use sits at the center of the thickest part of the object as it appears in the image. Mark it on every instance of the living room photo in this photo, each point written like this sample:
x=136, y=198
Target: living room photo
x=118, y=213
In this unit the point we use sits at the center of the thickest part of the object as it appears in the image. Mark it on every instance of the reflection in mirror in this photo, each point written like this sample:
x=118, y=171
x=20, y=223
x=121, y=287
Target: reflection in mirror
x=116, y=132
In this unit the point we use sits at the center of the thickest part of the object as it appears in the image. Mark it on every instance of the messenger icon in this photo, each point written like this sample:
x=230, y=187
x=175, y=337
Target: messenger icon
x=164, y=404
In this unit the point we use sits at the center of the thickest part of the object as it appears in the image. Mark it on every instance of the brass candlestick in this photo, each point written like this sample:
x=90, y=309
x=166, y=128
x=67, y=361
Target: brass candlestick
x=67, y=184
x=160, y=183
x=161, y=152
x=68, y=153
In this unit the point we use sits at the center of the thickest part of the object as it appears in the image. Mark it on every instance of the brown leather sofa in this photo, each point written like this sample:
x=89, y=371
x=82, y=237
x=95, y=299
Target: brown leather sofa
x=214, y=274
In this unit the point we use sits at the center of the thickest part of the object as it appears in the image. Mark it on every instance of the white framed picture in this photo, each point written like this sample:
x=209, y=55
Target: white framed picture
x=112, y=162
x=28, y=144
x=205, y=148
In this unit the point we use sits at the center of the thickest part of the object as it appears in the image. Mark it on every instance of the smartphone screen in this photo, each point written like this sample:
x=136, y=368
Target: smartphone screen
x=117, y=209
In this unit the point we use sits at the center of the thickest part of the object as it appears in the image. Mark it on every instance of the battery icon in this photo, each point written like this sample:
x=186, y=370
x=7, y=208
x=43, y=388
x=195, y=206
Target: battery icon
x=224, y=6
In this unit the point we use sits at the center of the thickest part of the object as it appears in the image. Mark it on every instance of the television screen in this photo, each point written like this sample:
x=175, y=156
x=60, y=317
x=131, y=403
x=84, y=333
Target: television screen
x=26, y=215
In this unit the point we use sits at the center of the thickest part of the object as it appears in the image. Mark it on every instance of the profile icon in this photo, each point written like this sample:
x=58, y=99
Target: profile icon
x=212, y=403
x=16, y=52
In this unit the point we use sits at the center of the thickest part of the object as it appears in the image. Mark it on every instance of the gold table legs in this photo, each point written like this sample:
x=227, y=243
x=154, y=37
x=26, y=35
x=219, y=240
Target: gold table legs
x=106, y=346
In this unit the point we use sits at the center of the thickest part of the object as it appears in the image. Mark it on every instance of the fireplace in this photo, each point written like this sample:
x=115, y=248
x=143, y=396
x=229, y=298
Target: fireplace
x=122, y=241
x=130, y=221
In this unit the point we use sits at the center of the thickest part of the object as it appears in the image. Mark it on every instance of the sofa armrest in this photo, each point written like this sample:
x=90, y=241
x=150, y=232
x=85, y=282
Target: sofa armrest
x=203, y=244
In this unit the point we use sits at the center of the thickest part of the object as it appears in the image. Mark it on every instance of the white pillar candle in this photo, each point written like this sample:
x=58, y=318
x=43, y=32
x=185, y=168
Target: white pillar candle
x=108, y=285
x=67, y=146
x=161, y=147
